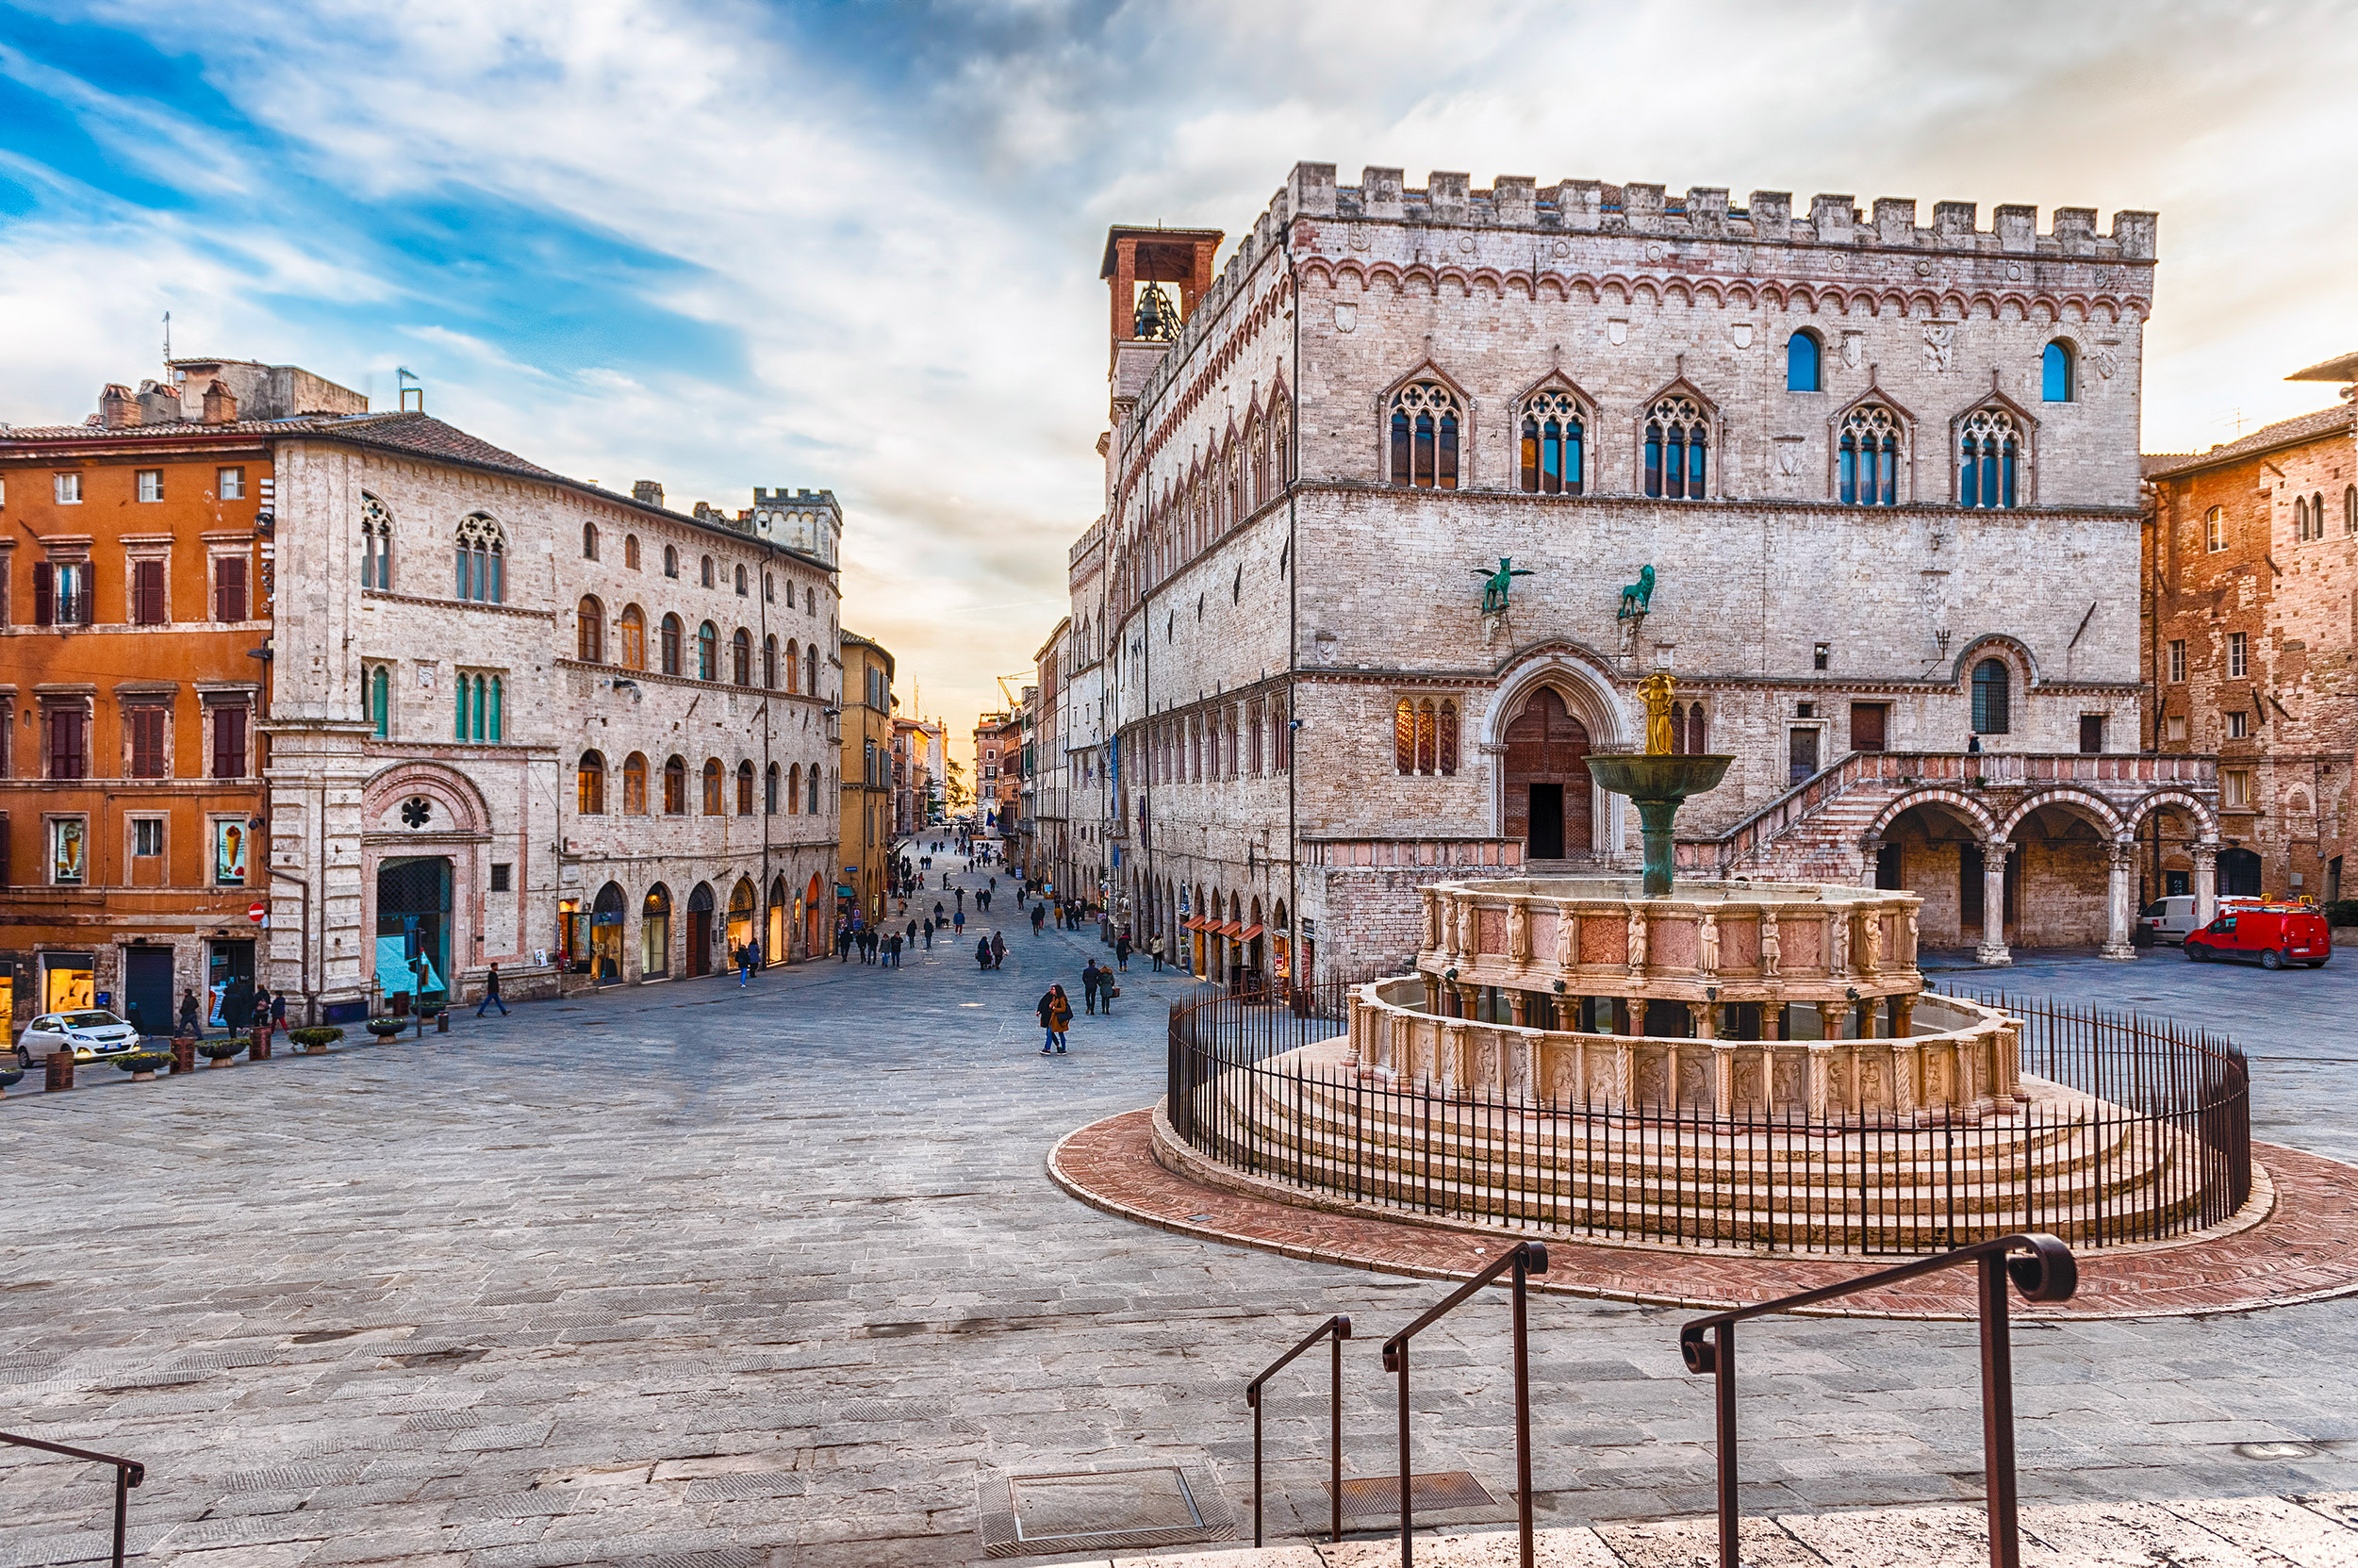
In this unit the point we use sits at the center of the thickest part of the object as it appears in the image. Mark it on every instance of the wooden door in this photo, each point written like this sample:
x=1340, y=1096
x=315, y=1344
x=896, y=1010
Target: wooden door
x=1548, y=746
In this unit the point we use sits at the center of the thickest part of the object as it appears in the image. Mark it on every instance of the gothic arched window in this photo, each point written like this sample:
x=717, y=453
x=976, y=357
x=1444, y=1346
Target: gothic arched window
x=2301, y=518
x=671, y=560
x=589, y=541
x=1990, y=456
x=2350, y=510
x=630, y=550
x=712, y=786
x=670, y=645
x=635, y=784
x=1992, y=692
x=376, y=543
x=1802, y=354
x=708, y=652
x=379, y=687
x=1868, y=457
x=675, y=787
x=1677, y=442
x=745, y=788
x=810, y=669
x=1426, y=425
x=741, y=658
x=1555, y=444
x=770, y=791
x=589, y=784
x=482, y=560
x=770, y=662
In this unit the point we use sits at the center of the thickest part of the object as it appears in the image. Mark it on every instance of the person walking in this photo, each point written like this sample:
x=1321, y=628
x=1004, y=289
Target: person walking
x=277, y=1024
x=1089, y=973
x=937, y=911
x=191, y=1021
x=491, y=994
x=958, y=924
x=1055, y=1013
x=892, y=951
x=962, y=897
x=929, y=936
x=1039, y=918
x=982, y=953
x=1155, y=948
x=998, y=950
x=1121, y=950
x=1107, y=990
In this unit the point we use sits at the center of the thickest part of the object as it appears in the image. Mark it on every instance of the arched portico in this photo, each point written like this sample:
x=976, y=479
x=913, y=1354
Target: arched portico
x=425, y=835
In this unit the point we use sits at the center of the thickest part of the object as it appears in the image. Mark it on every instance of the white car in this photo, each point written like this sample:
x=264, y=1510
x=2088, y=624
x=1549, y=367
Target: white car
x=90, y=1035
x=2168, y=921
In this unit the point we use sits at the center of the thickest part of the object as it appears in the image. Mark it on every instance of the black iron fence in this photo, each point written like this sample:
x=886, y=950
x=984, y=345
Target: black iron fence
x=2152, y=1141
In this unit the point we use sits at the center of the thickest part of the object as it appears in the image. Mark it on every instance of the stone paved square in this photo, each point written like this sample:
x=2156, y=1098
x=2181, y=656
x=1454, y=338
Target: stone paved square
x=691, y=1274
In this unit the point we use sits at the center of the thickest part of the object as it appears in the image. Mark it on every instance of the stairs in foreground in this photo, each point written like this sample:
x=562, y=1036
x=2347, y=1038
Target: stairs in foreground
x=2305, y=1530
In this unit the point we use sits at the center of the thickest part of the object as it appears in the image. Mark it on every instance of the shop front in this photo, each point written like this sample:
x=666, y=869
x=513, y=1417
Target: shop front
x=412, y=931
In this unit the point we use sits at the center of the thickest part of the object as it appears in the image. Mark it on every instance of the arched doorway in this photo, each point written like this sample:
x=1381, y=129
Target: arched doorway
x=741, y=900
x=2238, y=874
x=413, y=928
x=1547, y=795
x=774, y=939
x=814, y=918
x=606, y=934
x=654, y=934
x=700, y=929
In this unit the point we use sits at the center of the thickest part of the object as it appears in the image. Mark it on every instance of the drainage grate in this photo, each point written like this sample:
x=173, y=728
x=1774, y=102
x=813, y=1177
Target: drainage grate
x=1081, y=1510
x=1378, y=1496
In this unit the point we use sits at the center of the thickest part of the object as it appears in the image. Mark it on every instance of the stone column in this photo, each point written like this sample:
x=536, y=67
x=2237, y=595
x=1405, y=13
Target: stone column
x=2119, y=898
x=1637, y=1020
x=1993, y=943
x=1723, y=1077
x=1902, y=1017
x=1707, y=1021
x=1518, y=1007
x=1771, y=1020
x=2206, y=884
x=1830, y=1020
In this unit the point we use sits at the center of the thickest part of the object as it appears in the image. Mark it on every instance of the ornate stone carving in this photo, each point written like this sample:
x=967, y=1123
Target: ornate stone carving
x=1518, y=932
x=1567, y=940
x=1708, y=942
x=1770, y=944
x=1839, y=942
x=1637, y=941
x=1939, y=346
x=1872, y=962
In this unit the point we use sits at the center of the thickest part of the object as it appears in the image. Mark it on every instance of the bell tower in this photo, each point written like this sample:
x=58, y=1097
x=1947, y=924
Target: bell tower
x=1154, y=277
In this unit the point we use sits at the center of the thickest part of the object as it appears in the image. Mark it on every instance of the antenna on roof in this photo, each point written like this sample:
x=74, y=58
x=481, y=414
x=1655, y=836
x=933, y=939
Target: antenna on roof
x=167, y=336
x=408, y=386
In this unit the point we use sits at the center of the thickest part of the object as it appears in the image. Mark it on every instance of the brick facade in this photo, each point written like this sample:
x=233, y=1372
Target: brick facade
x=2249, y=570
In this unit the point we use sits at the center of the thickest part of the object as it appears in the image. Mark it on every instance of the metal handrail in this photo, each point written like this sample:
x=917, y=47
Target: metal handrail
x=128, y=1473
x=1338, y=1327
x=1525, y=1259
x=2045, y=1272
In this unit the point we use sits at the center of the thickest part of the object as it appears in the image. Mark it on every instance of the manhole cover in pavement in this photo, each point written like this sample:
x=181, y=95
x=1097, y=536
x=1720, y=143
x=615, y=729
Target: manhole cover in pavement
x=1370, y=1497
x=1101, y=1509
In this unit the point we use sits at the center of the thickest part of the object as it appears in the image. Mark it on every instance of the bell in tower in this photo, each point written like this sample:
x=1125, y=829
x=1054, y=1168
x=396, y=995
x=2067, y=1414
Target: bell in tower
x=1158, y=318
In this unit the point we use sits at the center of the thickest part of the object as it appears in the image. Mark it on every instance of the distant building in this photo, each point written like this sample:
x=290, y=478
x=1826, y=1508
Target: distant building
x=868, y=827
x=2250, y=646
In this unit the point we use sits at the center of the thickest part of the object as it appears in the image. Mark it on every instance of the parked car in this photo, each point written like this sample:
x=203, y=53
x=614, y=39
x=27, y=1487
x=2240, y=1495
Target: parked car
x=2273, y=934
x=2171, y=920
x=89, y=1035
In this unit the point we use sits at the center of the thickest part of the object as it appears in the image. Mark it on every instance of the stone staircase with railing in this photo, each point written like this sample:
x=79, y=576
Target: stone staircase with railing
x=1820, y=830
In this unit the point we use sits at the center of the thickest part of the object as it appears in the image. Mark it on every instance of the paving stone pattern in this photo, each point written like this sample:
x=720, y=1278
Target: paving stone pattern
x=691, y=1276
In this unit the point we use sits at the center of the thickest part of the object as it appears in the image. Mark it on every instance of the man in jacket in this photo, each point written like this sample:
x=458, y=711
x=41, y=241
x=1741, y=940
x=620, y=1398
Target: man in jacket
x=491, y=994
x=1089, y=979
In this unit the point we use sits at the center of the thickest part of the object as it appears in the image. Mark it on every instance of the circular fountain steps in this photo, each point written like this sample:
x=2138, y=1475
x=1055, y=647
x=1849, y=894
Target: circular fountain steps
x=1688, y=1181
x=2295, y=1241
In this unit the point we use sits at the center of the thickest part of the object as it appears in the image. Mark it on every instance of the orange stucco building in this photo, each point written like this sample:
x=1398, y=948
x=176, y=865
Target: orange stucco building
x=135, y=624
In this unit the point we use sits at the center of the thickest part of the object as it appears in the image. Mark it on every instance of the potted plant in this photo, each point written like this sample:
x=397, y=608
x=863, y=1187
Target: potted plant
x=316, y=1040
x=384, y=1029
x=12, y=1071
x=141, y=1064
x=221, y=1051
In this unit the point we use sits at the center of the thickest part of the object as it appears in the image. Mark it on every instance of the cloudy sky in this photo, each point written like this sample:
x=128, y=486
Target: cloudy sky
x=722, y=243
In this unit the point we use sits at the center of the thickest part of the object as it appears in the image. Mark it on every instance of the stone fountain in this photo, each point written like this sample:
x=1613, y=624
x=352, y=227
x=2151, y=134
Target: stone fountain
x=1657, y=781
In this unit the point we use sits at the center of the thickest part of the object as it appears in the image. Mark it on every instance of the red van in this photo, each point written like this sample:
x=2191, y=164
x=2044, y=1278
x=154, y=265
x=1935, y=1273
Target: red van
x=2274, y=933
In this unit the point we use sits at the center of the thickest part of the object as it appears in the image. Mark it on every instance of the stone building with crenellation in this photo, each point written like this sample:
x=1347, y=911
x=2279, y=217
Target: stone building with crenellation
x=1868, y=489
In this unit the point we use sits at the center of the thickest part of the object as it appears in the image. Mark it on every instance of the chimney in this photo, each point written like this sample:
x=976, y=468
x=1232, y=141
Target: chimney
x=646, y=492
x=118, y=407
x=220, y=403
